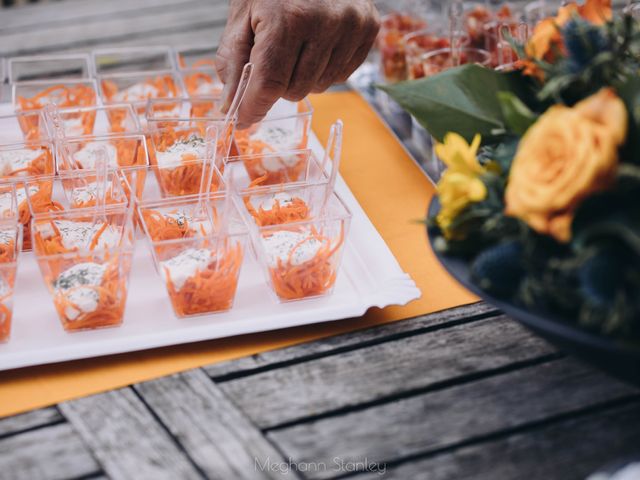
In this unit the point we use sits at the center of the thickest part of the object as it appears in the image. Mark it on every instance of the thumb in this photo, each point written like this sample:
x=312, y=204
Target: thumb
x=234, y=51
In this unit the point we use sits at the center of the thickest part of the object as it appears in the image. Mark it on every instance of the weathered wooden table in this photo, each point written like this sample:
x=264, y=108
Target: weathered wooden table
x=465, y=393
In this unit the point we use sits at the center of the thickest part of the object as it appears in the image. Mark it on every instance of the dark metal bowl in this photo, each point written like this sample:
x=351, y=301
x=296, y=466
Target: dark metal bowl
x=620, y=359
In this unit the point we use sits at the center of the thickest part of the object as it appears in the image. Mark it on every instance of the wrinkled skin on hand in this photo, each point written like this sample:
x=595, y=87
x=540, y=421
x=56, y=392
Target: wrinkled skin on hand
x=297, y=46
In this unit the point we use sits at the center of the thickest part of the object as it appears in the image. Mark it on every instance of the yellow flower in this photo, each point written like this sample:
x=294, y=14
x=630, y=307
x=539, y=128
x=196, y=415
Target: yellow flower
x=566, y=156
x=460, y=184
x=546, y=39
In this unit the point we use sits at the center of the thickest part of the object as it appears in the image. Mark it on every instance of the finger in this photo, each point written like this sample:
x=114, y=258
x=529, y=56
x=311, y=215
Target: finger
x=233, y=53
x=361, y=53
x=274, y=56
x=360, y=34
x=312, y=62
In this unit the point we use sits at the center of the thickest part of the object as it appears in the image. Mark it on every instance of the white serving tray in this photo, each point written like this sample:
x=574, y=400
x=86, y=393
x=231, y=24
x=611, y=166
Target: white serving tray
x=370, y=276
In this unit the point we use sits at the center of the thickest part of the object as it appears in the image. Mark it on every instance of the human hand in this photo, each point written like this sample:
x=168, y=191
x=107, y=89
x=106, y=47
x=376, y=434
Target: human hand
x=297, y=46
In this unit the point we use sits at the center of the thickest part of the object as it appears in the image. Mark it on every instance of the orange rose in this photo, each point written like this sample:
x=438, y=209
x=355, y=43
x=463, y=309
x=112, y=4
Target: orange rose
x=546, y=39
x=566, y=156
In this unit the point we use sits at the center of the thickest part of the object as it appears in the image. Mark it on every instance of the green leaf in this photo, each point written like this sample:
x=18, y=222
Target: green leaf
x=462, y=100
x=517, y=115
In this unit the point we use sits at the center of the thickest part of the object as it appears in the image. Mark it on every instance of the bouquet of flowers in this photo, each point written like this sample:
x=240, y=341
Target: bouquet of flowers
x=541, y=195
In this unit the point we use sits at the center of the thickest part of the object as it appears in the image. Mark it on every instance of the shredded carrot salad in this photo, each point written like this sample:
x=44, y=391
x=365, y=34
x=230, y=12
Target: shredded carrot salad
x=162, y=86
x=8, y=252
x=6, y=312
x=41, y=202
x=295, y=210
x=201, y=84
x=64, y=96
x=111, y=298
x=54, y=244
x=311, y=278
x=183, y=179
x=164, y=227
x=212, y=289
x=203, y=62
x=41, y=165
x=250, y=149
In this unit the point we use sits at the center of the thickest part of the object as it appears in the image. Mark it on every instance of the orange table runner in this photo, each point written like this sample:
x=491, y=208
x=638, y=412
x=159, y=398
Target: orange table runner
x=393, y=192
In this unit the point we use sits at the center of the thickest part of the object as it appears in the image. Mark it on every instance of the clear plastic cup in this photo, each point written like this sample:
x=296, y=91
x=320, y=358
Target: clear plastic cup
x=85, y=260
x=10, y=247
x=156, y=183
x=48, y=67
x=178, y=149
x=25, y=145
x=198, y=259
x=394, y=26
x=138, y=87
x=196, y=57
x=282, y=204
x=163, y=112
x=35, y=95
x=443, y=59
x=285, y=127
x=132, y=59
x=201, y=82
x=416, y=44
x=301, y=260
x=94, y=121
x=70, y=191
x=267, y=169
x=497, y=33
x=124, y=150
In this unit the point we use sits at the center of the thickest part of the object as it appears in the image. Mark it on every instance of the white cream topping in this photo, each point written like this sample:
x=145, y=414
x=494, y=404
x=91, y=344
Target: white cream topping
x=172, y=156
x=268, y=202
x=74, y=284
x=136, y=93
x=88, y=155
x=7, y=236
x=185, y=265
x=80, y=234
x=21, y=195
x=281, y=244
x=12, y=160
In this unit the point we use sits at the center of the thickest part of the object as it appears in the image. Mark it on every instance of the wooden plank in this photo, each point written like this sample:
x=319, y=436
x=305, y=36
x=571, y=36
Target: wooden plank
x=125, y=437
x=220, y=440
x=91, y=32
x=392, y=368
x=194, y=36
x=55, y=452
x=29, y=420
x=71, y=11
x=444, y=418
x=568, y=450
x=249, y=365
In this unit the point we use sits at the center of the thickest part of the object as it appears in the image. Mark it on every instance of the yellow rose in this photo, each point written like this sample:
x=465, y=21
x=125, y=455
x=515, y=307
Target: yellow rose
x=566, y=156
x=460, y=184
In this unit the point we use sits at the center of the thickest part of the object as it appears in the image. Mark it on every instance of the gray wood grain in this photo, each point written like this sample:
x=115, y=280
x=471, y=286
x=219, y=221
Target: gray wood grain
x=216, y=435
x=42, y=15
x=29, y=420
x=55, y=452
x=427, y=422
x=126, y=438
x=94, y=31
x=390, y=368
x=334, y=344
x=567, y=450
